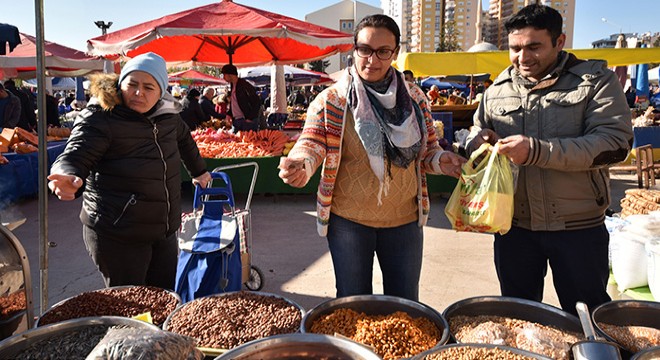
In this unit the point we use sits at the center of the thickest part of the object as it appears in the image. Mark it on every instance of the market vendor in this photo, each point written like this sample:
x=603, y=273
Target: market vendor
x=123, y=157
x=244, y=104
x=376, y=141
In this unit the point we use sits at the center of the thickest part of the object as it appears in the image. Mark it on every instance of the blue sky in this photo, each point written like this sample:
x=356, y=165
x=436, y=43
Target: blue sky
x=71, y=22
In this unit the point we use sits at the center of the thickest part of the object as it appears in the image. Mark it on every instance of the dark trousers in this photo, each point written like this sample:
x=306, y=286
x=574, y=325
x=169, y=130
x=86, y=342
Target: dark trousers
x=131, y=262
x=578, y=259
x=399, y=250
x=242, y=124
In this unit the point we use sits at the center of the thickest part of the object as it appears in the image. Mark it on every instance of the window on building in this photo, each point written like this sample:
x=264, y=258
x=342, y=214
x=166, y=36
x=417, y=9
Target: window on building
x=459, y=17
x=427, y=6
x=437, y=26
x=438, y=6
x=427, y=26
x=426, y=32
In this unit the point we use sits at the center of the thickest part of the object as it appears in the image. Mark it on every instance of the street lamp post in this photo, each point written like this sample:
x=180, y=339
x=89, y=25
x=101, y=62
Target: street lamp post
x=103, y=26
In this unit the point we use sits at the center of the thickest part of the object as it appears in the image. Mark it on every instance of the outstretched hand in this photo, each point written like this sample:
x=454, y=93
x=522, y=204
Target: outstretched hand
x=484, y=136
x=64, y=186
x=451, y=163
x=292, y=172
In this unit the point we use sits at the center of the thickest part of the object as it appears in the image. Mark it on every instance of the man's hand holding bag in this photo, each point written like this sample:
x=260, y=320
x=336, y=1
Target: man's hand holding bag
x=483, y=198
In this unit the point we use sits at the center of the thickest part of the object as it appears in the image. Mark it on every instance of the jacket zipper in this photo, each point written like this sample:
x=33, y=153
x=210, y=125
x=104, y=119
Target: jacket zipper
x=167, y=192
x=131, y=201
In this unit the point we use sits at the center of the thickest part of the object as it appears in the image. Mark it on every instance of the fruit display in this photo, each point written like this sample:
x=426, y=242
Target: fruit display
x=216, y=124
x=216, y=144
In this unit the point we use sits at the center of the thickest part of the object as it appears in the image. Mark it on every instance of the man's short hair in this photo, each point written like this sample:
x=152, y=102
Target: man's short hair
x=540, y=17
x=209, y=90
x=229, y=69
x=408, y=72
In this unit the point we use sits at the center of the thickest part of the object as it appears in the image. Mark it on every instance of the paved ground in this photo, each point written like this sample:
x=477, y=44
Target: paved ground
x=294, y=259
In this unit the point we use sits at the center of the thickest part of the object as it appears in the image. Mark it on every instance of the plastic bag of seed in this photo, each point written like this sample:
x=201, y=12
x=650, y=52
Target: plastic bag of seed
x=143, y=344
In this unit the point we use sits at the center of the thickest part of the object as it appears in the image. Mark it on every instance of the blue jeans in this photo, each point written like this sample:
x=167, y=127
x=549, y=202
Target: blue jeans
x=578, y=259
x=399, y=250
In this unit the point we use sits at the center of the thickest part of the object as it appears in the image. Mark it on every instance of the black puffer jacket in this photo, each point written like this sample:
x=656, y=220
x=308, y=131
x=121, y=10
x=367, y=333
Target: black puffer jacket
x=131, y=163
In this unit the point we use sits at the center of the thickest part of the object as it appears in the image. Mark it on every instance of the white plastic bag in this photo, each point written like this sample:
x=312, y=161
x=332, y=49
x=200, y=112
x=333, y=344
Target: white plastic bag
x=653, y=260
x=629, y=260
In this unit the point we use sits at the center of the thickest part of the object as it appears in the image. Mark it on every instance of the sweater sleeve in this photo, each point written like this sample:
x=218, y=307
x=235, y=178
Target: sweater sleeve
x=89, y=140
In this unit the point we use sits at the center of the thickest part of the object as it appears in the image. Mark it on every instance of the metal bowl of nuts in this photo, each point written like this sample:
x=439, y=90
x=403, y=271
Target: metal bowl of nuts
x=224, y=321
x=633, y=324
x=514, y=322
x=394, y=327
x=648, y=354
x=300, y=347
x=478, y=351
x=125, y=301
x=70, y=339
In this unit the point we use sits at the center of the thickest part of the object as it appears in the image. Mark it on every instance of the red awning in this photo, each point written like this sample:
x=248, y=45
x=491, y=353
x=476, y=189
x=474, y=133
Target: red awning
x=60, y=60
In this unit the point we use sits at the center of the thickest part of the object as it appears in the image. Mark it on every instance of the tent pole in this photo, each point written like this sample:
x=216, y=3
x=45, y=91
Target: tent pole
x=43, y=155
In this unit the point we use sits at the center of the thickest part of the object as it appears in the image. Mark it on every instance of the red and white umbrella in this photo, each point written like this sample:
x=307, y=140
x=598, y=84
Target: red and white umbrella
x=59, y=60
x=194, y=77
x=223, y=33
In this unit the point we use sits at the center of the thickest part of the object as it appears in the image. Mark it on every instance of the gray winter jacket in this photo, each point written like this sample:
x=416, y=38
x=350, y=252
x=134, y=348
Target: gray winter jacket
x=578, y=123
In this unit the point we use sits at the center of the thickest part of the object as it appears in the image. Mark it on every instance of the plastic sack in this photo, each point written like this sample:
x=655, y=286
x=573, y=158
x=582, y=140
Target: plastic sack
x=543, y=340
x=144, y=344
x=488, y=332
x=629, y=260
x=483, y=198
x=653, y=260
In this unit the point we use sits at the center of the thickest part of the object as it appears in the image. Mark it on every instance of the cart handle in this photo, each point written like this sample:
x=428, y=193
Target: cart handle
x=252, y=183
x=218, y=191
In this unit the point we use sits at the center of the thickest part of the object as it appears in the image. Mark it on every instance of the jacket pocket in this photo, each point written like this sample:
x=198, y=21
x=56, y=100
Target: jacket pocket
x=564, y=112
x=599, y=186
x=131, y=202
x=506, y=115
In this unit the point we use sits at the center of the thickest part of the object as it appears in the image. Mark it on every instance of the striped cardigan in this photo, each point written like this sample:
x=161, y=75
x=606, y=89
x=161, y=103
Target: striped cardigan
x=321, y=139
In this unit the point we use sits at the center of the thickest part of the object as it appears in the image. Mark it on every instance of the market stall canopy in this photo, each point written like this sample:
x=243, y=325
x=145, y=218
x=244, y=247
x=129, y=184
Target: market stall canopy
x=59, y=61
x=194, y=78
x=442, y=85
x=296, y=76
x=457, y=63
x=59, y=83
x=222, y=33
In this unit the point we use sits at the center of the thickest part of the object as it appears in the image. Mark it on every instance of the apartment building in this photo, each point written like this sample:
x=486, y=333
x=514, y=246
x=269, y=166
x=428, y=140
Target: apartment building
x=342, y=16
x=500, y=10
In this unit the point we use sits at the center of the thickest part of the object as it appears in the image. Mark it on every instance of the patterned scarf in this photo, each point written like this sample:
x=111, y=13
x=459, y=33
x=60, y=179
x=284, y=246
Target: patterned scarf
x=388, y=123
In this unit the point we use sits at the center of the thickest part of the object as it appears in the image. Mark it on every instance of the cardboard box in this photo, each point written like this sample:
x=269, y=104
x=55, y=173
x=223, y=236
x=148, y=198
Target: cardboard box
x=245, y=266
x=6, y=137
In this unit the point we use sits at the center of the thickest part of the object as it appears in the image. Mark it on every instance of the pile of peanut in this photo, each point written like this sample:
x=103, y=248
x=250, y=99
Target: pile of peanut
x=633, y=338
x=224, y=322
x=123, y=301
x=640, y=201
x=521, y=334
x=392, y=336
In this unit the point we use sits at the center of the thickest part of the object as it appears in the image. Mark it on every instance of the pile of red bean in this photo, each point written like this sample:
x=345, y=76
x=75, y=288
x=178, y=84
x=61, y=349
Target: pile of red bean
x=227, y=321
x=126, y=301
